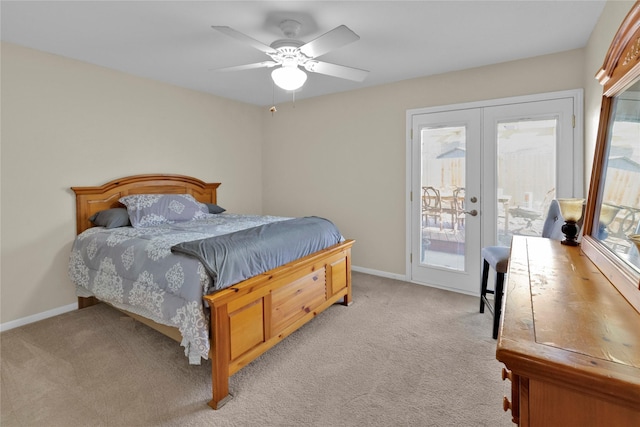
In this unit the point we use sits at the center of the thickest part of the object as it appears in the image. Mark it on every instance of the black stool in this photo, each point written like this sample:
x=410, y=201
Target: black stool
x=498, y=258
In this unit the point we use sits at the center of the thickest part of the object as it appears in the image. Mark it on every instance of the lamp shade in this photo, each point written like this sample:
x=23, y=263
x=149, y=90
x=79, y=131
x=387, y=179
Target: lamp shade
x=571, y=209
x=289, y=77
x=607, y=213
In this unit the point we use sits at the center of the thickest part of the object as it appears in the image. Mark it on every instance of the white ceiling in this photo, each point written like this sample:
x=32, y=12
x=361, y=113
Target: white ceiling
x=173, y=42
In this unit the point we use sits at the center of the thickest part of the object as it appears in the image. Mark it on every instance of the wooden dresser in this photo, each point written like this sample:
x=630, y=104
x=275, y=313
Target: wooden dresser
x=569, y=340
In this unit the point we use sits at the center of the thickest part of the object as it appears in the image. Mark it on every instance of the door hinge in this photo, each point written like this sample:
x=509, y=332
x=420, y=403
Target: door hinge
x=411, y=196
x=574, y=121
x=411, y=258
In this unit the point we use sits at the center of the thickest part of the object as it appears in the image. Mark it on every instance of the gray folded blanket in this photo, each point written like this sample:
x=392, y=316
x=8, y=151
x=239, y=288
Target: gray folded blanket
x=234, y=257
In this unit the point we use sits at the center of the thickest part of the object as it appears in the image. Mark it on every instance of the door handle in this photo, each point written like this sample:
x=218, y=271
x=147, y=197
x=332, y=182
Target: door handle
x=472, y=212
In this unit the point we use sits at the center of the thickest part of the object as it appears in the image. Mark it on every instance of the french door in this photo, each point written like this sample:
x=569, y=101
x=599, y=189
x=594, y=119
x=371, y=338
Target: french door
x=446, y=192
x=481, y=173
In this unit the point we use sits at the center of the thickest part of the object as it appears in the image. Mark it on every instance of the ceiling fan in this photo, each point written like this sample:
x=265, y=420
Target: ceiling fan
x=290, y=54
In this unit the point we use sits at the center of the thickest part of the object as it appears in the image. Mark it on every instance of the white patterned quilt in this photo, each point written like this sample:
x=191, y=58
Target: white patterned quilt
x=135, y=270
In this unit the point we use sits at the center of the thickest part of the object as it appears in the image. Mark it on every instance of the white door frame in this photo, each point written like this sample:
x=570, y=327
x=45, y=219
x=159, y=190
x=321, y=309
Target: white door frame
x=578, y=153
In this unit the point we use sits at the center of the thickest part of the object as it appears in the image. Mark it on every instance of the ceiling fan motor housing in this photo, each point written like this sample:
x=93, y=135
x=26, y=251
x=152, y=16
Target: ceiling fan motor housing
x=287, y=52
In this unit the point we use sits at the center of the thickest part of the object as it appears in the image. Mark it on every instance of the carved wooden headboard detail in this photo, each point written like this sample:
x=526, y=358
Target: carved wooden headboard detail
x=90, y=200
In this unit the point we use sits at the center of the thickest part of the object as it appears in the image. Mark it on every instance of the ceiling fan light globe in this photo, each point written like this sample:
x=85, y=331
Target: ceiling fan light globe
x=289, y=78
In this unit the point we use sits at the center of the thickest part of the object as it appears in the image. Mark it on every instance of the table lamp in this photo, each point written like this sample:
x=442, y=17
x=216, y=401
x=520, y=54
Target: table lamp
x=571, y=210
x=608, y=213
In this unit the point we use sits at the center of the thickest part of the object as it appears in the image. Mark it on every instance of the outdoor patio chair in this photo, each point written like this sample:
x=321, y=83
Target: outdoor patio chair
x=459, y=213
x=431, y=206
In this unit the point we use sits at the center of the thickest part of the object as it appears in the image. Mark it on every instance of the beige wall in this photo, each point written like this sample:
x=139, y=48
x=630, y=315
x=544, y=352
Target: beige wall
x=344, y=155
x=601, y=37
x=67, y=123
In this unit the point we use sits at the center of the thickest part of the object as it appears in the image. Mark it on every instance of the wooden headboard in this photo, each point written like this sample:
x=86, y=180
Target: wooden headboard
x=90, y=200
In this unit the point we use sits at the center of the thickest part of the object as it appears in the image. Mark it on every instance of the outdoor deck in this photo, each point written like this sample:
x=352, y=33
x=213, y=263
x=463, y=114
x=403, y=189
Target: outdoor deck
x=451, y=239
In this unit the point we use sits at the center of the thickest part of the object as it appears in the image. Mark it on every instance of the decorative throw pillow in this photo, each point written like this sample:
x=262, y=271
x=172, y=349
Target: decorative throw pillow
x=147, y=210
x=214, y=209
x=111, y=218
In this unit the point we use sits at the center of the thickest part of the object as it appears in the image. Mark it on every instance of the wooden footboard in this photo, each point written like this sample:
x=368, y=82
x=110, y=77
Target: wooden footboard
x=249, y=318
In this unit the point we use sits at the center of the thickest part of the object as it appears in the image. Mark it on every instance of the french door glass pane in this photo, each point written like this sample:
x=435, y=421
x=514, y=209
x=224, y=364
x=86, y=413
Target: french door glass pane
x=526, y=176
x=442, y=184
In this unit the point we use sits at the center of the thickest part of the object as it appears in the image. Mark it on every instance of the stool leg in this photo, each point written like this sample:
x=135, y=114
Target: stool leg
x=497, y=311
x=483, y=286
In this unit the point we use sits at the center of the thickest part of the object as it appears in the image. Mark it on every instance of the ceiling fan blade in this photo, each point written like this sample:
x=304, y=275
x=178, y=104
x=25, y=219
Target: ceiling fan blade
x=264, y=64
x=244, y=38
x=334, y=39
x=334, y=70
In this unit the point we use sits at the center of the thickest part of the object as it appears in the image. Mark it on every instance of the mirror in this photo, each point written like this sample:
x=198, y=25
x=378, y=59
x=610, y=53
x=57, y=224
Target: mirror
x=612, y=214
x=618, y=218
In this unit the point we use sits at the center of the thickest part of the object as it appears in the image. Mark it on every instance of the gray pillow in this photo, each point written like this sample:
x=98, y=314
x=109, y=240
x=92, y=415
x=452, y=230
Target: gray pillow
x=111, y=218
x=148, y=210
x=214, y=209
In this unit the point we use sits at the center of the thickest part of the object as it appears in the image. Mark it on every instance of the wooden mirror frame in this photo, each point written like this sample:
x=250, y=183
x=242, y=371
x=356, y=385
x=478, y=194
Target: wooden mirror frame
x=621, y=68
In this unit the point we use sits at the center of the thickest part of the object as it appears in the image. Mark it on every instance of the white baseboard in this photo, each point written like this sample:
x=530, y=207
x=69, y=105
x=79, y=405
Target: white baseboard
x=36, y=317
x=64, y=309
x=379, y=273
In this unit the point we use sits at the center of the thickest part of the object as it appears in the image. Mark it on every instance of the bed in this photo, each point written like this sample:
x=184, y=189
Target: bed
x=244, y=319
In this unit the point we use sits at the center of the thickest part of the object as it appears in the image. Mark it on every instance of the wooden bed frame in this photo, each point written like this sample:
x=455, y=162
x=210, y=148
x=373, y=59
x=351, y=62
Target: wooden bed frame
x=252, y=316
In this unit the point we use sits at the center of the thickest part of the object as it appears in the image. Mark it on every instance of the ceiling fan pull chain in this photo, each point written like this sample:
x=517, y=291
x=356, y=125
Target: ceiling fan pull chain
x=273, y=99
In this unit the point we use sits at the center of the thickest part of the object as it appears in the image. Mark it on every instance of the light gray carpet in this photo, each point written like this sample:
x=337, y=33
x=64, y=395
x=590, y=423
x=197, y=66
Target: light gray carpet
x=401, y=355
